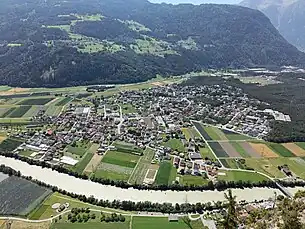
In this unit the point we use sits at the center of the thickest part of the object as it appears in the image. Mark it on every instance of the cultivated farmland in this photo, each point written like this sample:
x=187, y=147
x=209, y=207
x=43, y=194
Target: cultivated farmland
x=241, y=150
x=80, y=166
x=295, y=149
x=218, y=150
x=281, y=150
x=241, y=175
x=10, y=144
x=200, y=129
x=248, y=148
x=140, y=170
x=64, y=101
x=19, y=197
x=230, y=150
x=263, y=150
x=35, y=101
x=19, y=112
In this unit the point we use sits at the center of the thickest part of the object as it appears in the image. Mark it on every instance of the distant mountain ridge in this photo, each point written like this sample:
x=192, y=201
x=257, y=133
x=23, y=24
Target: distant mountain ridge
x=65, y=43
x=288, y=16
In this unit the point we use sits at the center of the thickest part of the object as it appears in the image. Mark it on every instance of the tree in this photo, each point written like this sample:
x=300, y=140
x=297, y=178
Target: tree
x=231, y=221
x=290, y=215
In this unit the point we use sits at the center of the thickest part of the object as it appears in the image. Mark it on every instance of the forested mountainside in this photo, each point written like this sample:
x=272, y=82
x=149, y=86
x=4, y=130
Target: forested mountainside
x=288, y=16
x=65, y=43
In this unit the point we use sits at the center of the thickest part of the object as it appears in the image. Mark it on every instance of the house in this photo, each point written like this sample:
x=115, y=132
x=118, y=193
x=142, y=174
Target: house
x=195, y=156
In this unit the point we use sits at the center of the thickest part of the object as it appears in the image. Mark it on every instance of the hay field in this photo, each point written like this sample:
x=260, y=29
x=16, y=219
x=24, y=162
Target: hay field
x=295, y=149
x=263, y=150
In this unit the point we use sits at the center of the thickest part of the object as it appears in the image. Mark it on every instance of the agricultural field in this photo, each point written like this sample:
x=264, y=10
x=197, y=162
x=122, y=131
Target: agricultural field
x=18, y=112
x=295, y=149
x=281, y=150
x=232, y=136
x=218, y=150
x=240, y=175
x=63, y=101
x=206, y=152
x=201, y=130
x=10, y=144
x=81, y=165
x=140, y=170
x=263, y=150
x=175, y=144
x=53, y=110
x=229, y=149
x=22, y=195
x=166, y=173
x=112, y=175
x=159, y=222
x=6, y=111
x=240, y=149
x=35, y=101
x=190, y=133
x=16, y=224
x=121, y=159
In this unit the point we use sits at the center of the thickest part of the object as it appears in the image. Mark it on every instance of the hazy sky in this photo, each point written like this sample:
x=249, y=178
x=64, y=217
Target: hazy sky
x=198, y=1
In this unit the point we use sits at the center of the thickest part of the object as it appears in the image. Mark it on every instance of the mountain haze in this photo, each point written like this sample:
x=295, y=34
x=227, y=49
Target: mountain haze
x=288, y=16
x=64, y=43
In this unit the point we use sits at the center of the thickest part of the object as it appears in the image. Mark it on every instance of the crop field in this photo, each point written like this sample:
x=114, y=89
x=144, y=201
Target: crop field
x=218, y=150
x=265, y=166
x=206, y=152
x=16, y=224
x=10, y=144
x=201, y=130
x=229, y=163
x=295, y=149
x=7, y=111
x=263, y=150
x=94, y=162
x=112, y=175
x=166, y=173
x=281, y=150
x=141, y=168
x=241, y=175
x=301, y=144
x=80, y=166
x=211, y=131
x=241, y=150
x=175, y=144
x=127, y=148
x=31, y=112
x=141, y=222
x=230, y=135
x=35, y=101
x=248, y=149
x=64, y=101
x=121, y=159
x=229, y=149
x=3, y=110
x=79, y=150
x=53, y=110
x=22, y=195
x=19, y=112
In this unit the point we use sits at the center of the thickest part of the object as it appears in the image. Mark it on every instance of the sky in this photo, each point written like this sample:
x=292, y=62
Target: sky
x=197, y=1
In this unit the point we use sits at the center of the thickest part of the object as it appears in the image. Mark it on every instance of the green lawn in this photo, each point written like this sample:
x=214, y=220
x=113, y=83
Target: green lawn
x=195, y=180
x=111, y=175
x=26, y=153
x=122, y=159
x=241, y=175
x=175, y=144
x=158, y=222
x=281, y=150
x=240, y=149
x=166, y=173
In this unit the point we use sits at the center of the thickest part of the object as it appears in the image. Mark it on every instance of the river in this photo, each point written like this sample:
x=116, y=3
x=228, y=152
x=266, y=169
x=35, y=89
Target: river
x=106, y=192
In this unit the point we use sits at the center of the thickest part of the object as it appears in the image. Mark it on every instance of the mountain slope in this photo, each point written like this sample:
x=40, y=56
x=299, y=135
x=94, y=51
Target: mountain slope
x=288, y=16
x=64, y=43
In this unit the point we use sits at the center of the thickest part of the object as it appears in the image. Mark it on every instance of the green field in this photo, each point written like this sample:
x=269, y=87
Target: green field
x=63, y=101
x=10, y=144
x=35, y=101
x=78, y=150
x=160, y=222
x=166, y=173
x=128, y=108
x=206, y=152
x=19, y=112
x=175, y=144
x=81, y=165
x=265, y=166
x=240, y=175
x=281, y=150
x=240, y=149
x=301, y=144
x=192, y=180
x=7, y=111
x=111, y=175
x=53, y=110
x=31, y=112
x=212, y=132
x=122, y=159
x=26, y=153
